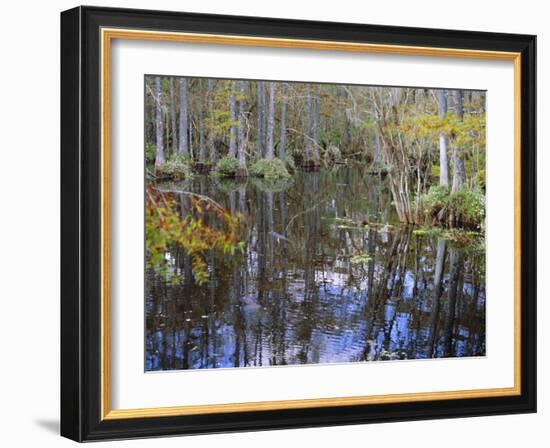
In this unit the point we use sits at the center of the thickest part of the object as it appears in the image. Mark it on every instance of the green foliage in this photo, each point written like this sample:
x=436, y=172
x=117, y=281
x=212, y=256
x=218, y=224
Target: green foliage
x=435, y=171
x=478, y=175
x=220, y=120
x=150, y=153
x=269, y=169
x=465, y=206
x=176, y=167
x=467, y=132
x=334, y=135
x=468, y=206
x=436, y=199
x=227, y=166
x=206, y=227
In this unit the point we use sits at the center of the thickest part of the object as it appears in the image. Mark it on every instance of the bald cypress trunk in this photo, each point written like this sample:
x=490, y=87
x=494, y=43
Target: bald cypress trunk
x=270, y=121
x=191, y=151
x=233, y=119
x=260, y=120
x=308, y=123
x=183, y=122
x=346, y=132
x=159, y=157
x=315, y=130
x=282, y=138
x=458, y=159
x=242, y=171
x=443, y=158
x=377, y=142
x=173, y=118
x=202, y=143
x=211, y=132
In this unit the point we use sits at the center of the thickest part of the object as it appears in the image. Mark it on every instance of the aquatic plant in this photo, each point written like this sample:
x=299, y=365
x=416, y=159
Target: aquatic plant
x=361, y=258
x=464, y=239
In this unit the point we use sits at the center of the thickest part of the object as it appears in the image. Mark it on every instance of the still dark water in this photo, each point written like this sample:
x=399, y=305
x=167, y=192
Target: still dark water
x=328, y=276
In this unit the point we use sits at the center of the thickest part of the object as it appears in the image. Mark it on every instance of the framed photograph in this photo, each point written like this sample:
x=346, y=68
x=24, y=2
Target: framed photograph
x=275, y=224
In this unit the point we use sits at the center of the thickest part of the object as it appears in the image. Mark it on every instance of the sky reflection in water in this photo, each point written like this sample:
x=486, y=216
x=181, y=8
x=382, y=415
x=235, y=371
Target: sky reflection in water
x=328, y=276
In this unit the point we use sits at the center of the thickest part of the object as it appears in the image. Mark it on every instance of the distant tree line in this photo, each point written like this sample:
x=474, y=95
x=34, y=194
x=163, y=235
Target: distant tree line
x=430, y=143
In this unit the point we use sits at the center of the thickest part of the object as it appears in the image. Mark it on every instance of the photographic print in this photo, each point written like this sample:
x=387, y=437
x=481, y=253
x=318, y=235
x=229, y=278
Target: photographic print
x=296, y=223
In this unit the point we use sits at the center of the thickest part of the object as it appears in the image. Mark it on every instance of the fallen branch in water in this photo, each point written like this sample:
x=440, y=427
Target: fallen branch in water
x=201, y=197
x=303, y=213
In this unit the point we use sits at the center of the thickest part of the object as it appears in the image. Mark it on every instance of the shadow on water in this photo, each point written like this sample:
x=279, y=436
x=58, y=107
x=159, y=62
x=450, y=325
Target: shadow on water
x=328, y=275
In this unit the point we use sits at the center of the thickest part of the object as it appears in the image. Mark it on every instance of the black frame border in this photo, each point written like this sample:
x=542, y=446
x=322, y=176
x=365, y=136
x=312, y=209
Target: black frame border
x=81, y=223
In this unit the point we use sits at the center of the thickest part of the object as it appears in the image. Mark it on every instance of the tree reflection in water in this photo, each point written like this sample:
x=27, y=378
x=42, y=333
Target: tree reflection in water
x=327, y=276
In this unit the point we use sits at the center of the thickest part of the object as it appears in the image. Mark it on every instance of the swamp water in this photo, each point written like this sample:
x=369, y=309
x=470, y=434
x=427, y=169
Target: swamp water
x=328, y=275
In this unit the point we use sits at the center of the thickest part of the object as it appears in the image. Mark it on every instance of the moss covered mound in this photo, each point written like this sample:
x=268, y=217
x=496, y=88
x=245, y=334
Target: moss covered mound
x=176, y=167
x=269, y=169
x=227, y=167
x=464, y=207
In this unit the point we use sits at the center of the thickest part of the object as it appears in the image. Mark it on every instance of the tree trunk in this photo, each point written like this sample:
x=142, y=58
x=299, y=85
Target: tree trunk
x=191, y=153
x=308, y=123
x=458, y=159
x=233, y=119
x=377, y=146
x=342, y=92
x=394, y=152
x=183, y=124
x=270, y=121
x=211, y=132
x=443, y=158
x=282, y=139
x=202, y=143
x=159, y=157
x=173, y=116
x=315, y=130
x=260, y=124
x=347, y=134
x=377, y=149
x=242, y=171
